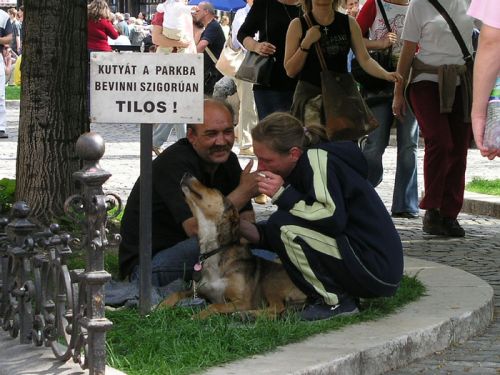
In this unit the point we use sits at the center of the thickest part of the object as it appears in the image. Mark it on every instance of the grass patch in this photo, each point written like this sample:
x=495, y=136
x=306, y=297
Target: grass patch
x=168, y=342
x=7, y=194
x=13, y=92
x=77, y=261
x=479, y=185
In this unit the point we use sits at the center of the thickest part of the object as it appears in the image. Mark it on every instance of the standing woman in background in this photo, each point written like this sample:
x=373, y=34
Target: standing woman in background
x=405, y=193
x=336, y=34
x=278, y=96
x=441, y=109
x=99, y=26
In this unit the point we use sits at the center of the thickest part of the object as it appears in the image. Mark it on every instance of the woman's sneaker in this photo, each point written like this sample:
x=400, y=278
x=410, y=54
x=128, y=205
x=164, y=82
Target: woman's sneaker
x=320, y=310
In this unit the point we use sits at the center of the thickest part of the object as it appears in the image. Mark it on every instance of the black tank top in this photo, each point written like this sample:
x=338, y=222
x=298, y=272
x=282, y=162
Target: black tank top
x=335, y=43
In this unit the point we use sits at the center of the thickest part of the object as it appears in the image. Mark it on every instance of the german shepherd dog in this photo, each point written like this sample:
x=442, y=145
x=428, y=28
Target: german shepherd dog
x=228, y=275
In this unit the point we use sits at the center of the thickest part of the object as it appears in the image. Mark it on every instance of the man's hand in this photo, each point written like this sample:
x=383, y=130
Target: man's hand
x=247, y=189
x=248, y=180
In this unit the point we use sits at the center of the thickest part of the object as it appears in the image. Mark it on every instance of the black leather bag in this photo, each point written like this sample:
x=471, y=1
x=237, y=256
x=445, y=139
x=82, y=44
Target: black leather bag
x=369, y=82
x=256, y=69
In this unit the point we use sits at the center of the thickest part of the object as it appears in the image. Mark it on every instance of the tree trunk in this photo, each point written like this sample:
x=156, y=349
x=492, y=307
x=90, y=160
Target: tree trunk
x=53, y=103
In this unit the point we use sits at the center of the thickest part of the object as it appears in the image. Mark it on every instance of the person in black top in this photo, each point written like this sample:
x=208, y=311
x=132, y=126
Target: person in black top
x=211, y=43
x=206, y=154
x=336, y=33
x=270, y=18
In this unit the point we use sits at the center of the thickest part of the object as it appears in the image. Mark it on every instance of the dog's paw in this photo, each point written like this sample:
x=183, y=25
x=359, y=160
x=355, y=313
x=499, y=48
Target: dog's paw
x=203, y=314
x=169, y=302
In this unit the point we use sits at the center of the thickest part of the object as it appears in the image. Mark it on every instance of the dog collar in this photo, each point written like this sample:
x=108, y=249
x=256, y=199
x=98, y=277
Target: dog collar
x=205, y=256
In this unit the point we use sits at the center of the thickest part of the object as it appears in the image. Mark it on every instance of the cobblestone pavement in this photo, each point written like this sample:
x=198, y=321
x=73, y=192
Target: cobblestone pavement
x=478, y=252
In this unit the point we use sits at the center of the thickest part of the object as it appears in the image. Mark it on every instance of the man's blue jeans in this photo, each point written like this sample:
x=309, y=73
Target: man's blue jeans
x=177, y=262
x=173, y=263
x=405, y=194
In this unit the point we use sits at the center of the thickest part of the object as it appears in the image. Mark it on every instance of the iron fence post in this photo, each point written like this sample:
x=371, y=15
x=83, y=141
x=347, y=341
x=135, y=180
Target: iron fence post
x=90, y=148
x=4, y=268
x=21, y=228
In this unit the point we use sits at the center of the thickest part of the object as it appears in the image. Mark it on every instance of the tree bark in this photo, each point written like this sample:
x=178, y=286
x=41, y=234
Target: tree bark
x=53, y=112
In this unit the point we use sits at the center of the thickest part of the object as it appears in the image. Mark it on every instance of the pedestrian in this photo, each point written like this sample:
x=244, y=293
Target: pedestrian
x=16, y=30
x=164, y=44
x=405, y=193
x=205, y=154
x=22, y=32
x=247, y=115
x=99, y=26
x=137, y=33
x=177, y=25
x=122, y=22
x=5, y=40
x=224, y=24
x=441, y=107
x=486, y=69
x=330, y=230
x=351, y=7
x=270, y=19
x=211, y=43
x=336, y=34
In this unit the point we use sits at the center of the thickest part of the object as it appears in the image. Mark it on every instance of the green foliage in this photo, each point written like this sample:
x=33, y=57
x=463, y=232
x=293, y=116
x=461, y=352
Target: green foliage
x=13, y=92
x=77, y=260
x=479, y=185
x=168, y=341
x=7, y=194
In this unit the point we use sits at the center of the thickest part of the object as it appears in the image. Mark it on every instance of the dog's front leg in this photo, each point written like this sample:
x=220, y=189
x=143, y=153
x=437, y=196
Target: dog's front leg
x=221, y=308
x=172, y=300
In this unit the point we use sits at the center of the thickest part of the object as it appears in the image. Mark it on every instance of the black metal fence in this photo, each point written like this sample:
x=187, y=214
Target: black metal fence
x=42, y=301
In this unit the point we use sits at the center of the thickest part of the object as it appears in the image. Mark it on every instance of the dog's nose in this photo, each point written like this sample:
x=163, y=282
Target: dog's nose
x=185, y=178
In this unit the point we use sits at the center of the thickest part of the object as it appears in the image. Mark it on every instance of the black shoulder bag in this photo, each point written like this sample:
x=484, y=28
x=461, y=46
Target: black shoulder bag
x=255, y=68
x=383, y=57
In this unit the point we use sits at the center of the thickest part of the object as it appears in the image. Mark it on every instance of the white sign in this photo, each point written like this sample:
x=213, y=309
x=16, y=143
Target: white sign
x=146, y=88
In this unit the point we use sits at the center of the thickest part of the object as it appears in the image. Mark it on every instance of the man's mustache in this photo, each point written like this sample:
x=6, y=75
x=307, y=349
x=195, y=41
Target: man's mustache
x=219, y=149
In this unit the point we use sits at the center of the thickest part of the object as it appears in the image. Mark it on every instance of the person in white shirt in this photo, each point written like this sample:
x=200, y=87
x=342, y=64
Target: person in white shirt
x=177, y=25
x=439, y=93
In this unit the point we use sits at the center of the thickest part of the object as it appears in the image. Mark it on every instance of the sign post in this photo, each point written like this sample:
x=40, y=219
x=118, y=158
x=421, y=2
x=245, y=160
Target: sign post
x=146, y=88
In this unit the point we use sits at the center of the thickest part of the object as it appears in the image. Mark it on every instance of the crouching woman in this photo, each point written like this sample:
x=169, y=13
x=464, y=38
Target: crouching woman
x=331, y=231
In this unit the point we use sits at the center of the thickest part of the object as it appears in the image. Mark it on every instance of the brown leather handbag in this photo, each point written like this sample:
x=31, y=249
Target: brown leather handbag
x=347, y=117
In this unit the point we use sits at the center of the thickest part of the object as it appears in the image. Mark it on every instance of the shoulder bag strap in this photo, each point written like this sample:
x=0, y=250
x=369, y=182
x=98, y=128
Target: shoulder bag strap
x=211, y=54
x=384, y=15
x=454, y=30
x=319, y=52
x=386, y=20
